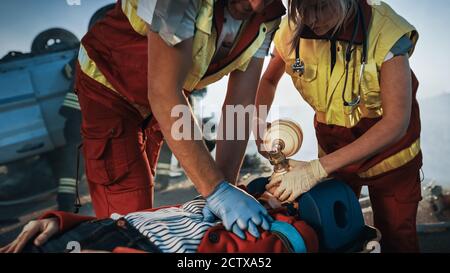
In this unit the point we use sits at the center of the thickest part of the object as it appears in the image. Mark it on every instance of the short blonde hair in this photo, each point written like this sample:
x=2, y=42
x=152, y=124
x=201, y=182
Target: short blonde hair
x=300, y=9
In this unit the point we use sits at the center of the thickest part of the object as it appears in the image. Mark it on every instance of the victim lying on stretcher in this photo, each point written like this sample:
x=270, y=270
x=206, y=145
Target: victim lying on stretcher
x=174, y=229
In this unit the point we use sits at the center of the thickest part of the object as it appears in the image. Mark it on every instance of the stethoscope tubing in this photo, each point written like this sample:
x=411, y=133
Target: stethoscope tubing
x=299, y=66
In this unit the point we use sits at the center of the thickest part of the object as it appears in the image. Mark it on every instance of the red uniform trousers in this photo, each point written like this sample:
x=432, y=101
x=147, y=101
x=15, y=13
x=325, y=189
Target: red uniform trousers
x=395, y=197
x=119, y=149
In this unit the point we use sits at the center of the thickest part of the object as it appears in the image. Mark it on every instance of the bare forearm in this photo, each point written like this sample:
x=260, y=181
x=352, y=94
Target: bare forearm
x=230, y=155
x=235, y=126
x=375, y=140
x=191, y=153
x=264, y=100
x=167, y=70
x=266, y=93
x=230, y=149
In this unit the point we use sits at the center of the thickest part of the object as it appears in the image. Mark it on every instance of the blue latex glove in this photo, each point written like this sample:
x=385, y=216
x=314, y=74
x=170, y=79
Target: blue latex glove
x=208, y=215
x=238, y=210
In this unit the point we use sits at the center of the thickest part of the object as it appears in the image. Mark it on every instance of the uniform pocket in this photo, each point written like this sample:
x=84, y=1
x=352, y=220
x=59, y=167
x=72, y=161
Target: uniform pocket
x=309, y=84
x=370, y=87
x=95, y=164
x=106, y=160
x=310, y=73
x=105, y=152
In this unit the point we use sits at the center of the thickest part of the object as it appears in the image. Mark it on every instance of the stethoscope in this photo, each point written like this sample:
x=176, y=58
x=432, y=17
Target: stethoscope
x=299, y=65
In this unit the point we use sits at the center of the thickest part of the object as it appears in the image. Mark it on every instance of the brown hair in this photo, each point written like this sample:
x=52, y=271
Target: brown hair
x=312, y=10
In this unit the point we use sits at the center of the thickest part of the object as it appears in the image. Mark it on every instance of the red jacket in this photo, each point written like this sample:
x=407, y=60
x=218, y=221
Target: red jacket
x=217, y=239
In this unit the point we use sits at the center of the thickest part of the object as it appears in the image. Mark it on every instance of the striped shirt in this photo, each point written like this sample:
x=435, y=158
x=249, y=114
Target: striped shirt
x=174, y=229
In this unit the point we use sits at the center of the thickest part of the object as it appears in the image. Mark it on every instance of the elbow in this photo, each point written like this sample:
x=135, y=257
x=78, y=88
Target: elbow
x=266, y=90
x=152, y=91
x=401, y=132
x=269, y=81
x=157, y=92
x=404, y=126
x=398, y=128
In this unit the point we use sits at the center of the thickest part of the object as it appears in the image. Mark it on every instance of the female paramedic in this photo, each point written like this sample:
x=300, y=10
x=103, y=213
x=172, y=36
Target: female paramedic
x=132, y=69
x=349, y=61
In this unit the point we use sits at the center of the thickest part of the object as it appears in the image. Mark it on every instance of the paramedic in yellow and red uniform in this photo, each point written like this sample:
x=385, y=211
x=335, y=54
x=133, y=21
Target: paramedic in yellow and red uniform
x=132, y=70
x=349, y=61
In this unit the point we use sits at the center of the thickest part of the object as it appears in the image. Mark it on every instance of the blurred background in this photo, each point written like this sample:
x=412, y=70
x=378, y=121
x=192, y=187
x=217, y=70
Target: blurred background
x=22, y=20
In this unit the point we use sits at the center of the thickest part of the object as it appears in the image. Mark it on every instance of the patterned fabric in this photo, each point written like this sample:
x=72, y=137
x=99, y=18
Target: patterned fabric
x=174, y=229
x=71, y=101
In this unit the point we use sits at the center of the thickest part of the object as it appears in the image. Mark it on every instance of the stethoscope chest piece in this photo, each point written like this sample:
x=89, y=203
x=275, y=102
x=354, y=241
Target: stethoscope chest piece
x=299, y=67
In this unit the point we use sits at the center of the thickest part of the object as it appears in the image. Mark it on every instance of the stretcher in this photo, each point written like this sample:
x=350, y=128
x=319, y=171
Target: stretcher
x=328, y=219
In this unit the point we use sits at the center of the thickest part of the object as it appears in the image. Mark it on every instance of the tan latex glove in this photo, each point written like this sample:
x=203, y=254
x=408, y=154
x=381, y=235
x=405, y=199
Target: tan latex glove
x=302, y=177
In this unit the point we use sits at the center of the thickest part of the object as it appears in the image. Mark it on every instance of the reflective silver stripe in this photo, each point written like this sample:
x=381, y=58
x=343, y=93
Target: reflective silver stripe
x=67, y=185
x=64, y=189
x=163, y=166
x=71, y=97
x=71, y=102
x=67, y=181
x=72, y=105
x=163, y=172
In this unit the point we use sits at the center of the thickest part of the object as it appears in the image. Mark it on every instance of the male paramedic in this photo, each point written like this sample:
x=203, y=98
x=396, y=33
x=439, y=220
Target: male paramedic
x=136, y=65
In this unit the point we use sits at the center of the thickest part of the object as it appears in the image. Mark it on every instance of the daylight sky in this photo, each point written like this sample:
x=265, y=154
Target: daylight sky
x=22, y=20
